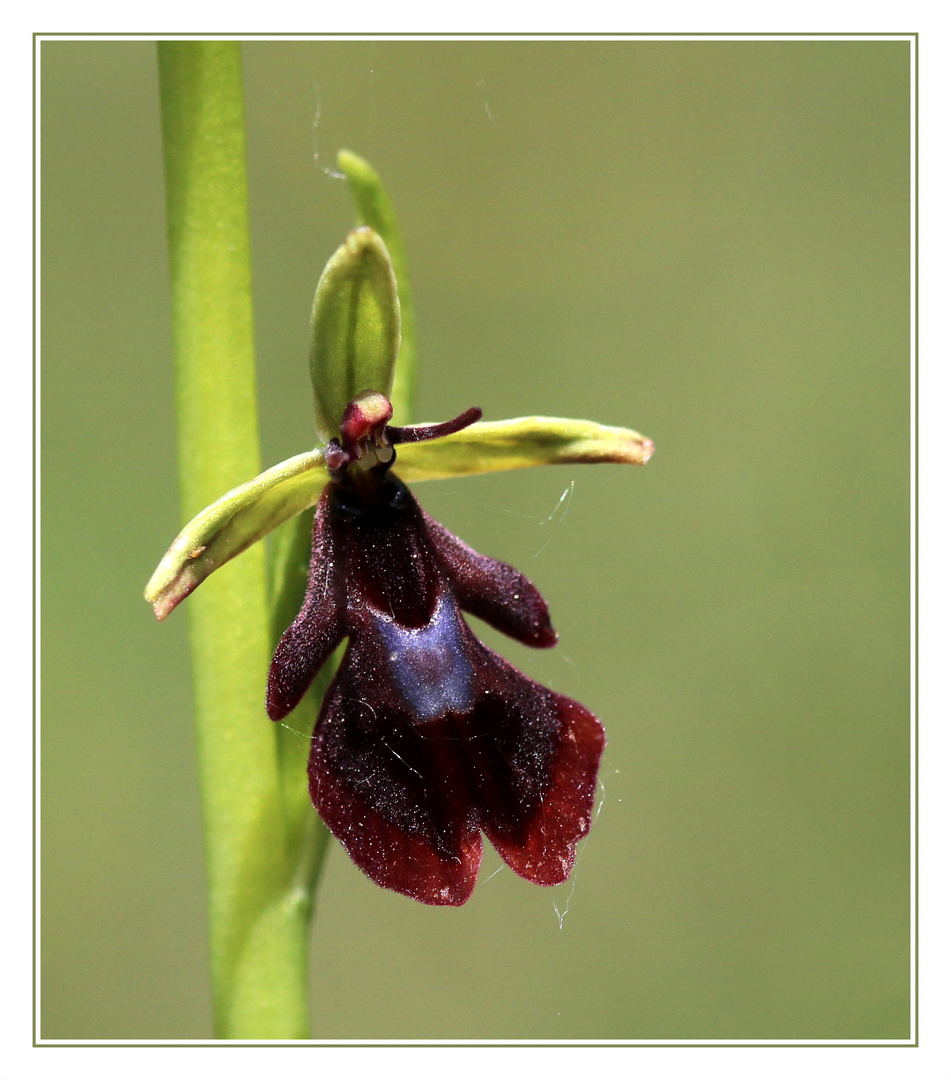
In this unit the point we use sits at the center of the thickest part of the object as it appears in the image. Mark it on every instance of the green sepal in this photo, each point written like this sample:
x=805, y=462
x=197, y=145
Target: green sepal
x=355, y=328
x=249, y=512
x=374, y=208
x=233, y=523
x=492, y=446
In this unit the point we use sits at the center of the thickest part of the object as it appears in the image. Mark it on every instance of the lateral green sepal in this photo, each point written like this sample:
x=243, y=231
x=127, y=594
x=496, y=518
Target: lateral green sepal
x=233, y=523
x=355, y=328
x=492, y=446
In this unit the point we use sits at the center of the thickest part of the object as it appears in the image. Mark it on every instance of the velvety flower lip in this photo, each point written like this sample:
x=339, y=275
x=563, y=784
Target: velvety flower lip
x=426, y=738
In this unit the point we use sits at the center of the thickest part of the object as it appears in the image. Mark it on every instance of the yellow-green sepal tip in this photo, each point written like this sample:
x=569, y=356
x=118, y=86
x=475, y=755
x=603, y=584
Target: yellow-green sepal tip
x=232, y=524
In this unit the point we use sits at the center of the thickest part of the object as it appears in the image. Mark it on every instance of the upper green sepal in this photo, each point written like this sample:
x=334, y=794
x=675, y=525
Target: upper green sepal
x=374, y=208
x=355, y=328
x=233, y=523
x=492, y=446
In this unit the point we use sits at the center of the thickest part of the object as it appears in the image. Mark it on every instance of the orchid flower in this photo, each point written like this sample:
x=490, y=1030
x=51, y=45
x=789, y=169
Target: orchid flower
x=426, y=739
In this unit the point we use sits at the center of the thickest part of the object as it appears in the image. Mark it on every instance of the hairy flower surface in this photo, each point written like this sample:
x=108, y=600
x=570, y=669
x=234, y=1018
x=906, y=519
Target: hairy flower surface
x=427, y=738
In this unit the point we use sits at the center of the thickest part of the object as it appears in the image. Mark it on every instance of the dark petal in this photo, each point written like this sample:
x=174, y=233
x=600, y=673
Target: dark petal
x=543, y=851
x=393, y=791
x=426, y=737
x=425, y=432
x=534, y=769
x=317, y=630
x=493, y=590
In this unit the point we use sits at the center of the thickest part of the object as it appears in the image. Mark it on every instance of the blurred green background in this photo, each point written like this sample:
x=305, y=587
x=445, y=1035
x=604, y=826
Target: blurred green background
x=706, y=241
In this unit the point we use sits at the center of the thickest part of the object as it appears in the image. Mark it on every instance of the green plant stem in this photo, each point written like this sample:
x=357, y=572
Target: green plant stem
x=258, y=910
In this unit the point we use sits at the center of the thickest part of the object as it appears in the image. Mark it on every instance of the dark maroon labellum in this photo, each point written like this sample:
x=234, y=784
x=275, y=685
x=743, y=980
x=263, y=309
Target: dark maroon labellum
x=426, y=738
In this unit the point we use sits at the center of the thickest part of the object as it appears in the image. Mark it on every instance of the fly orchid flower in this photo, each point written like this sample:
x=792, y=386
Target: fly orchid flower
x=426, y=739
